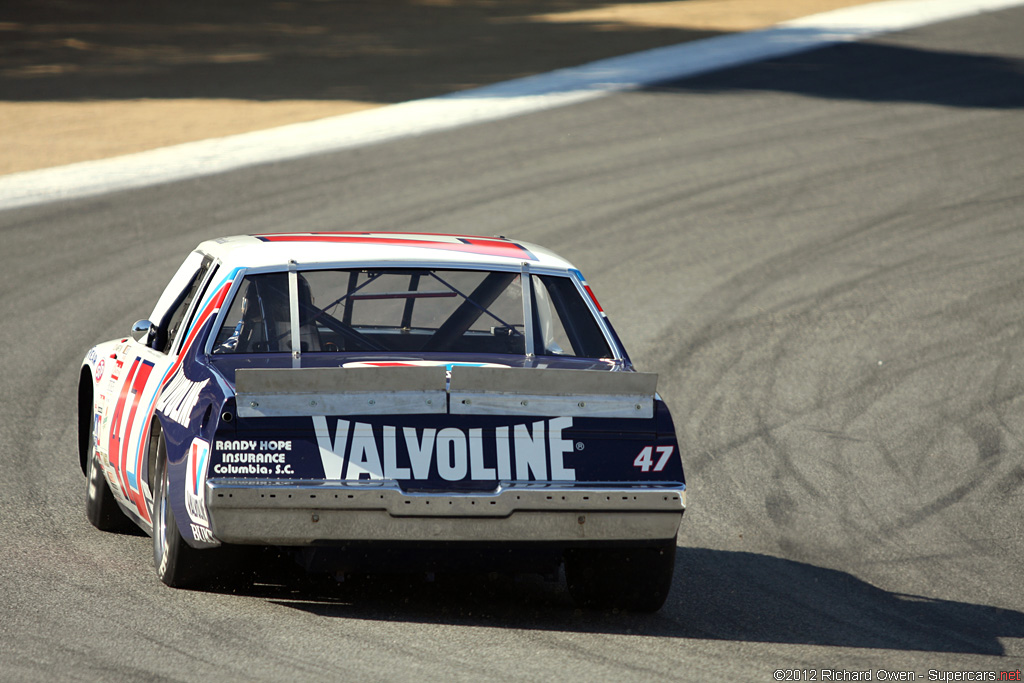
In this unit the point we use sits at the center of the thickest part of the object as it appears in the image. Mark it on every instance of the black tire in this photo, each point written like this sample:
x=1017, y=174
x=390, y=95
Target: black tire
x=101, y=509
x=635, y=579
x=175, y=560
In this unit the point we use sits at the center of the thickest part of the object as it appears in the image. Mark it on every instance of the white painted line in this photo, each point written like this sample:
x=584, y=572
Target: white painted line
x=502, y=100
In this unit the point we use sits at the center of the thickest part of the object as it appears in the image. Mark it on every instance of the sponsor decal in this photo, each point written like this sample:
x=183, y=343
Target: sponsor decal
x=179, y=398
x=195, y=484
x=532, y=451
x=100, y=367
x=253, y=457
x=114, y=376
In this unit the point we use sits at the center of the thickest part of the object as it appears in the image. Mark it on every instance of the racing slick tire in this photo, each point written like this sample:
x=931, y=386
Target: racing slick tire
x=101, y=509
x=634, y=579
x=176, y=562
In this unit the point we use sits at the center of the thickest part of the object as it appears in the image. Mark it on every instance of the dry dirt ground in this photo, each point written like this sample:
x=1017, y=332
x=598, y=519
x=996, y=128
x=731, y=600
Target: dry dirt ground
x=88, y=79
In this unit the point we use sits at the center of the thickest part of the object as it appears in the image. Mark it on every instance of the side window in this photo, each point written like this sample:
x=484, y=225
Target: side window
x=176, y=320
x=565, y=324
x=550, y=336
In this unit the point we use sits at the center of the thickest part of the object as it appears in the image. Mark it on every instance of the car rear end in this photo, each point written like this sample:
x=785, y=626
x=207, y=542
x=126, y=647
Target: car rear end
x=574, y=461
x=456, y=404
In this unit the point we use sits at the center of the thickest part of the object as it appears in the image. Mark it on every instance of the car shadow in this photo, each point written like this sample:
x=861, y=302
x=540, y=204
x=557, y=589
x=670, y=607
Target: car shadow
x=717, y=595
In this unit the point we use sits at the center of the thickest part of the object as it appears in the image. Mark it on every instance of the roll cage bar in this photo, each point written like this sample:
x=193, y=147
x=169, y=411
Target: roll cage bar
x=473, y=306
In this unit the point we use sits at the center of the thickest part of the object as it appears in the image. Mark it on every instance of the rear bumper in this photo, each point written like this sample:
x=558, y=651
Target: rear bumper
x=247, y=511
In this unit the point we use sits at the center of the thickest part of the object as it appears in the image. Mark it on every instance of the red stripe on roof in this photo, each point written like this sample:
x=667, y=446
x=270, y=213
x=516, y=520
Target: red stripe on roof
x=483, y=246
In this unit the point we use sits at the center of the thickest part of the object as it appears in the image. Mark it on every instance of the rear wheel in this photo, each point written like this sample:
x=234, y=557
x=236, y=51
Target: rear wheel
x=175, y=560
x=635, y=579
x=101, y=508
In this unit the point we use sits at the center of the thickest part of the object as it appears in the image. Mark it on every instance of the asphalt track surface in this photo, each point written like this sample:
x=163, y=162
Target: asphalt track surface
x=820, y=255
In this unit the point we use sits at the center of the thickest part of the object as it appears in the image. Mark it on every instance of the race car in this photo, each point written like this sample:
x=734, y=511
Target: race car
x=329, y=394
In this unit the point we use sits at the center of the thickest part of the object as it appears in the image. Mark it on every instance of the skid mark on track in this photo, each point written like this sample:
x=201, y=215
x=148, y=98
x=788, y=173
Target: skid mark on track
x=867, y=397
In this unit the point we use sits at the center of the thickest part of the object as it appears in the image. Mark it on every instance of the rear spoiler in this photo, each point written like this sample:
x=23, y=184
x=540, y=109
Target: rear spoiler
x=427, y=390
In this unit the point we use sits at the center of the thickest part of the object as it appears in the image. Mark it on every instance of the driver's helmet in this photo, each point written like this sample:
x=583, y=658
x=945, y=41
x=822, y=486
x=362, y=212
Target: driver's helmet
x=266, y=318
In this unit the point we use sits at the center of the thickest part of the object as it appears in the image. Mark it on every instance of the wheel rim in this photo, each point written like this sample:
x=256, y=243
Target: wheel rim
x=160, y=526
x=93, y=486
x=93, y=472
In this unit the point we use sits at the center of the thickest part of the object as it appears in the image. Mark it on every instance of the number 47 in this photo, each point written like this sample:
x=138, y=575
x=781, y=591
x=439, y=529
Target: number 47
x=645, y=459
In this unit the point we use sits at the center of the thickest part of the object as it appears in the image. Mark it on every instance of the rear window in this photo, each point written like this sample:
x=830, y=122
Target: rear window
x=411, y=311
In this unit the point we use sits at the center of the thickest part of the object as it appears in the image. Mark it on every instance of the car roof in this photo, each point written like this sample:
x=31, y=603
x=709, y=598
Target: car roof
x=356, y=249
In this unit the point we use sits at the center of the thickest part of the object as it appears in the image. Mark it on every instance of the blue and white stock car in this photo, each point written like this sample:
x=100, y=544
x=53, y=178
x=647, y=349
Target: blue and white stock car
x=328, y=393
